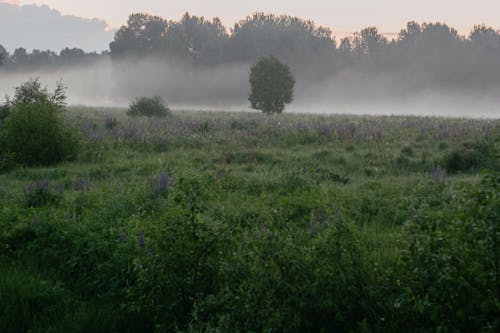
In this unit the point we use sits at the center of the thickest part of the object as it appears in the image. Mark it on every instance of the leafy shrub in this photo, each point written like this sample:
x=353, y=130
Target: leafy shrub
x=148, y=107
x=32, y=92
x=28, y=300
x=471, y=156
x=34, y=132
x=4, y=112
x=451, y=265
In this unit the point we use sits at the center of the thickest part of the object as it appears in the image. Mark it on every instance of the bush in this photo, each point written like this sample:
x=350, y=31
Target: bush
x=34, y=132
x=471, y=156
x=451, y=265
x=148, y=107
x=272, y=85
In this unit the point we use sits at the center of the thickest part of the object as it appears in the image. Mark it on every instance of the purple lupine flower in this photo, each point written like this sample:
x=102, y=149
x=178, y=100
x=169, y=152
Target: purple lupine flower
x=435, y=174
x=257, y=234
x=140, y=239
x=122, y=235
x=164, y=182
x=36, y=221
x=79, y=184
x=67, y=215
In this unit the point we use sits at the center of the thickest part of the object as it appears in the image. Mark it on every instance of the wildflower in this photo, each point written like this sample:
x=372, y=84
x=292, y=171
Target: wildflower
x=36, y=221
x=122, y=236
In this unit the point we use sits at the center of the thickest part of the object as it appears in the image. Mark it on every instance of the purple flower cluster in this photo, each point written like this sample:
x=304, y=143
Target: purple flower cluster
x=81, y=184
x=43, y=185
x=159, y=185
x=438, y=175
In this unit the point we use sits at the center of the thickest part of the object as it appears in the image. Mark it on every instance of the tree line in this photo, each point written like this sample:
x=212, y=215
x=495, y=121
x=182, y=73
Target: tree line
x=434, y=48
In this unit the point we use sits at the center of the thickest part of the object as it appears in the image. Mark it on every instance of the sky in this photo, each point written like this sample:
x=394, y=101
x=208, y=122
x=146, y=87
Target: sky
x=90, y=24
x=342, y=16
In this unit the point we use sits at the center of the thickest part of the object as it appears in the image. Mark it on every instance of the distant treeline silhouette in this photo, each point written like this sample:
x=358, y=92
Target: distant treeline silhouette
x=429, y=52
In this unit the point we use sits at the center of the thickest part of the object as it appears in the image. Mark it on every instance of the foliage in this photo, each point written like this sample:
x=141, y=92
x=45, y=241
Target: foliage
x=34, y=132
x=32, y=92
x=148, y=107
x=451, y=266
x=247, y=223
x=272, y=85
x=472, y=156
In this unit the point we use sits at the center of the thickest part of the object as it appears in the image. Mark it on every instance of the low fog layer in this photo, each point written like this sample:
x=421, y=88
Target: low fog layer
x=226, y=87
x=196, y=63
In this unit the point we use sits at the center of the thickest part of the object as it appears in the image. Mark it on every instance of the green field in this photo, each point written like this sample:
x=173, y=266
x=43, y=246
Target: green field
x=240, y=222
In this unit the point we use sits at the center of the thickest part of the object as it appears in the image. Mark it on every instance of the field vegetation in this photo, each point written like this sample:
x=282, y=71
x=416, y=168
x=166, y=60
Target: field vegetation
x=241, y=222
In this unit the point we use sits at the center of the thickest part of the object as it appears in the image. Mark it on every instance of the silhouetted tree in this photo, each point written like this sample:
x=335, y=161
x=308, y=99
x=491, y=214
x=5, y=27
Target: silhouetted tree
x=143, y=34
x=369, y=42
x=197, y=39
x=297, y=41
x=485, y=38
x=272, y=85
x=3, y=54
x=20, y=56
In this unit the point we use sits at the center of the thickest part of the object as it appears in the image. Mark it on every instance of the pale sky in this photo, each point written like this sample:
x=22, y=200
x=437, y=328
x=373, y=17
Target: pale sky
x=341, y=16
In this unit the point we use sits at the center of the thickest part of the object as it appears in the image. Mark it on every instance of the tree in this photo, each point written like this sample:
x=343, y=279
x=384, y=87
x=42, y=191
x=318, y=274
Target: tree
x=143, y=34
x=272, y=85
x=3, y=54
x=370, y=42
x=290, y=38
x=197, y=39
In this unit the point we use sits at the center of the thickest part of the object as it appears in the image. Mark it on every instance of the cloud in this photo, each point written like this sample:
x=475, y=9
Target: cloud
x=40, y=27
x=12, y=2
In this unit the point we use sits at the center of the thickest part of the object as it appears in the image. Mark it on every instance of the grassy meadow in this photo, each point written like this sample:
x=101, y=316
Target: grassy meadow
x=241, y=222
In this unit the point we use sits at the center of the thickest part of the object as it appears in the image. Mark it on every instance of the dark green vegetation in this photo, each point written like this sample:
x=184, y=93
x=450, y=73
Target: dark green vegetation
x=148, y=107
x=271, y=85
x=32, y=129
x=225, y=222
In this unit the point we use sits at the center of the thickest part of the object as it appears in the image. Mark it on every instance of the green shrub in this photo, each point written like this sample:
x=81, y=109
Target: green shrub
x=451, y=272
x=33, y=132
x=471, y=156
x=35, y=135
x=27, y=300
x=148, y=107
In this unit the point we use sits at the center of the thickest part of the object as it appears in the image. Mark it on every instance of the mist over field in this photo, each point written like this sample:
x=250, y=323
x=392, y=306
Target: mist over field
x=195, y=63
x=225, y=87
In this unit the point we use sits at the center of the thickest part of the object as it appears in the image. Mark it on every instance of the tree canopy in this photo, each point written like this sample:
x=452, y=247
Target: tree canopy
x=272, y=85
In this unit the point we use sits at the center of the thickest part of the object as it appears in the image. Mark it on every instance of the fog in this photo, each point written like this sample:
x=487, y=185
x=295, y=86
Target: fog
x=116, y=83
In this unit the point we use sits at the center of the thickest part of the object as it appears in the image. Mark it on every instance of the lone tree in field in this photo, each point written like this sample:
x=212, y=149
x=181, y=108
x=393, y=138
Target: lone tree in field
x=272, y=85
